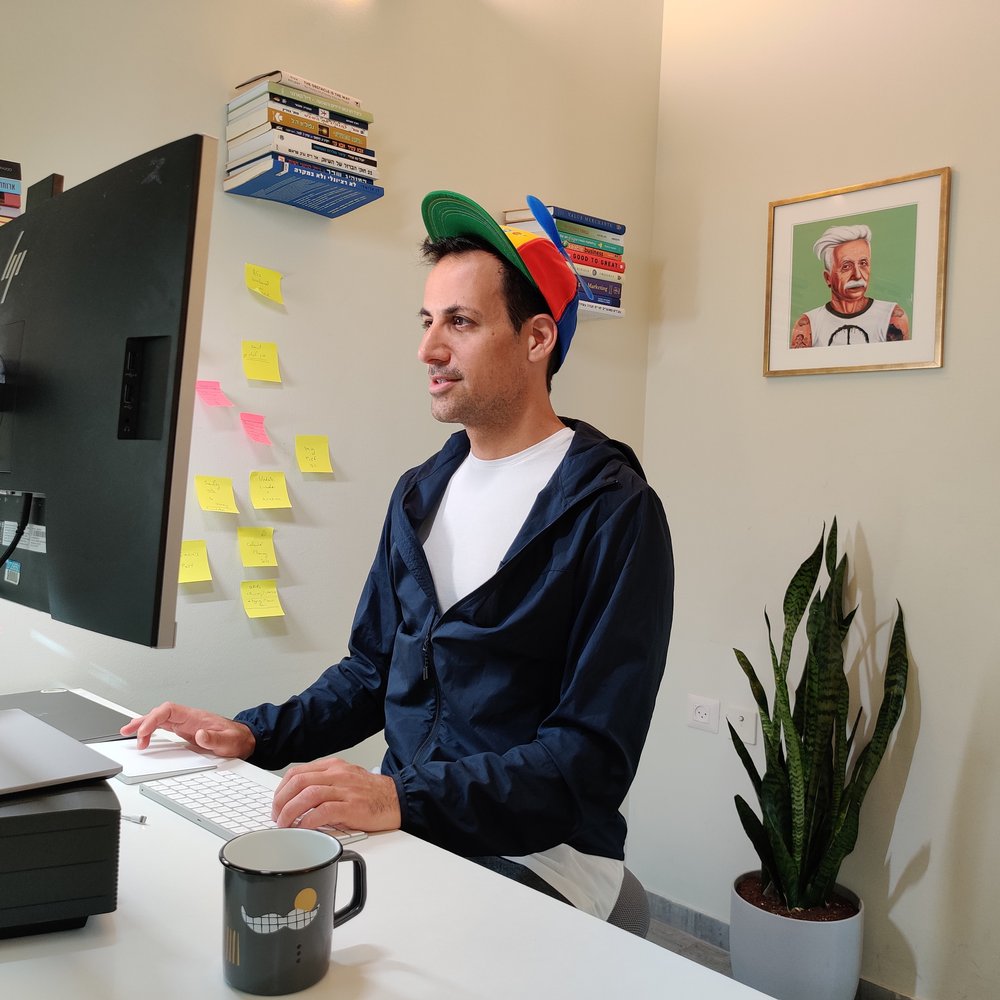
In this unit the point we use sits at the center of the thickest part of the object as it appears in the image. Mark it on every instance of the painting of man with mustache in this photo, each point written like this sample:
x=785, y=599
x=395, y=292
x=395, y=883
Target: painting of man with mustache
x=851, y=316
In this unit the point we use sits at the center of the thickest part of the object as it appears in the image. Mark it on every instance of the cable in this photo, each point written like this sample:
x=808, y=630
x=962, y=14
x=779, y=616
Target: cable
x=22, y=523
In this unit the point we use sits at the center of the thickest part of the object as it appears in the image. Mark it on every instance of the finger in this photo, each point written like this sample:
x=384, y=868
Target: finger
x=318, y=772
x=308, y=807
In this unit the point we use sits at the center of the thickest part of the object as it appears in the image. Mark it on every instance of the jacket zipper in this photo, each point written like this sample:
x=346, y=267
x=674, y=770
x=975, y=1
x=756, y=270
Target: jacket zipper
x=425, y=646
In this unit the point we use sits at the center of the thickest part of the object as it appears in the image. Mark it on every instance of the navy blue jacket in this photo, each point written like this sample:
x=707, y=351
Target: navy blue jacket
x=515, y=719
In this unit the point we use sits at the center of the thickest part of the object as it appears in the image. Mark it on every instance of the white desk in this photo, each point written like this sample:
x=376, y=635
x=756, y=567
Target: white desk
x=435, y=927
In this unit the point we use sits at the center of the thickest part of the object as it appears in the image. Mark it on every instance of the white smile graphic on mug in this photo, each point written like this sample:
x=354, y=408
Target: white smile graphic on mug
x=301, y=916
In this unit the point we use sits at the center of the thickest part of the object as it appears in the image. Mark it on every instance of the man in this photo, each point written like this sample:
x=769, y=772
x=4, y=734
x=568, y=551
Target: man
x=512, y=632
x=850, y=317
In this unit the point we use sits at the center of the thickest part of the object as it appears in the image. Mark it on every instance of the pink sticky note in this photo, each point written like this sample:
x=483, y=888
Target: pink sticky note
x=253, y=425
x=211, y=393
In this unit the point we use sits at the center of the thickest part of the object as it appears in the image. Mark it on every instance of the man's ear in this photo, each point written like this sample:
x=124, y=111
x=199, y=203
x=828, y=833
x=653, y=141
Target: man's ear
x=542, y=336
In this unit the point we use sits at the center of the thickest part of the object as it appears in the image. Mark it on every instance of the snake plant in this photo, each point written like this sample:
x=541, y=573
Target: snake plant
x=811, y=791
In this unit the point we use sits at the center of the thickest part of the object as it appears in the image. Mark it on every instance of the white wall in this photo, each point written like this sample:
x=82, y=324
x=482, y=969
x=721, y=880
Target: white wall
x=489, y=98
x=761, y=102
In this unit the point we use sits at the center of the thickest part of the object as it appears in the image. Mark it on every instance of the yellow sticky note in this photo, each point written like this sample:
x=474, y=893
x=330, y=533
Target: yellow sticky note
x=268, y=489
x=313, y=452
x=194, y=562
x=257, y=546
x=260, y=598
x=260, y=361
x=216, y=493
x=264, y=281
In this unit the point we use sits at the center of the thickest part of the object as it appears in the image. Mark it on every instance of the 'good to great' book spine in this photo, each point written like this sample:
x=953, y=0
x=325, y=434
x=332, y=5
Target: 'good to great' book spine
x=593, y=260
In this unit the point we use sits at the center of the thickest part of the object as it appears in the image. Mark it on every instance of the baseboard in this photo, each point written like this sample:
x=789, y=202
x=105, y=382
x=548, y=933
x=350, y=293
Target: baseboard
x=716, y=932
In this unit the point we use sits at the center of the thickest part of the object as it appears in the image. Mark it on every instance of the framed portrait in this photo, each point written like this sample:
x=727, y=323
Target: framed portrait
x=856, y=277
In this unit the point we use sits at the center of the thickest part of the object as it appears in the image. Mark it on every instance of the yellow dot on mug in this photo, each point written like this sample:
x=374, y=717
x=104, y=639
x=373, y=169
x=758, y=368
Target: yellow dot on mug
x=305, y=900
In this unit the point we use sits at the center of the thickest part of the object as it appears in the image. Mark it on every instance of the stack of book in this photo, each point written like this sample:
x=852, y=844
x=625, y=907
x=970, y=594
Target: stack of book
x=291, y=140
x=596, y=246
x=10, y=190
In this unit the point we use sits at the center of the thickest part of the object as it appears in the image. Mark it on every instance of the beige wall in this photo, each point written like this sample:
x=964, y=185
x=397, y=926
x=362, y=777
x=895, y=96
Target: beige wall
x=761, y=102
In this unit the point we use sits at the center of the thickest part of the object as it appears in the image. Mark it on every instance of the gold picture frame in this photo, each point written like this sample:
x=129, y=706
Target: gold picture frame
x=819, y=316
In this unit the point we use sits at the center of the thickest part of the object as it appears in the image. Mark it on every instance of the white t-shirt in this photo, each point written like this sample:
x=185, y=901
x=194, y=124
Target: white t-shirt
x=482, y=510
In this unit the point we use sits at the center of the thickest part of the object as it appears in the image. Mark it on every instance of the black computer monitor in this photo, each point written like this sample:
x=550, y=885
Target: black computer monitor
x=101, y=291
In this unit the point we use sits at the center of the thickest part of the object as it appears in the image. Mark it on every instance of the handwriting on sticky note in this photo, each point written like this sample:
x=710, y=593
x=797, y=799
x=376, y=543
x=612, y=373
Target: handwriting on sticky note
x=253, y=427
x=194, y=562
x=216, y=493
x=313, y=452
x=260, y=361
x=211, y=394
x=268, y=490
x=257, y=546
x=264, y=281
x=260, y=598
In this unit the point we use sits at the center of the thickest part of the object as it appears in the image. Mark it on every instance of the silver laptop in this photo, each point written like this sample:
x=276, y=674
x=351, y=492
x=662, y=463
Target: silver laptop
x=82, y=718
x=33, y=755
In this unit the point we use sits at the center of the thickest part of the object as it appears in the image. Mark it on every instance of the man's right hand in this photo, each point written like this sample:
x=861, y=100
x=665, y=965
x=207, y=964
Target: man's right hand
x=215, y=733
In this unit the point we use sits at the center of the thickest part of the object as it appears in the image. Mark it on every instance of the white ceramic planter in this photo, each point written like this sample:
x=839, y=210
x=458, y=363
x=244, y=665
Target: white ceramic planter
x=795, y=959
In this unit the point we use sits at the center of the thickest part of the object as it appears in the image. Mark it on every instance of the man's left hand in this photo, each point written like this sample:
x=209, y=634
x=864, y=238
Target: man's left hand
x=333, y=792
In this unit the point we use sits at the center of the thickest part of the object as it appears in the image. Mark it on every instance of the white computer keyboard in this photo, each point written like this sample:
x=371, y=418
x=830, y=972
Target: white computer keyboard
x=224, y=802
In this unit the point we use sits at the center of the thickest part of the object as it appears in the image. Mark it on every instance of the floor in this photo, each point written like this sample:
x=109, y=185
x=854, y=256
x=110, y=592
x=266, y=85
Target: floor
x=690, y=947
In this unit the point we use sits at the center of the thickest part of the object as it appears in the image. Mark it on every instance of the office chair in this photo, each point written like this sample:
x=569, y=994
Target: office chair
x=631, y=909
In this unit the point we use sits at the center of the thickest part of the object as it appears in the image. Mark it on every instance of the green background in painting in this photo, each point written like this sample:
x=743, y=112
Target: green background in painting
x=894, y=248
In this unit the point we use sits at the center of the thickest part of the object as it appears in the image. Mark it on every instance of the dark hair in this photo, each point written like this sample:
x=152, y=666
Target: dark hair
x=521, y=298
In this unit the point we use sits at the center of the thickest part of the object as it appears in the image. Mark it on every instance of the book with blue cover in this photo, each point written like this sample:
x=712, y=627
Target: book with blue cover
x=326, y=192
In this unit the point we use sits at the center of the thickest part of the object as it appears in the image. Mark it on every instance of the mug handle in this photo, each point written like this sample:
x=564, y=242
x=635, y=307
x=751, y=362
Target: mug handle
x=360, y=894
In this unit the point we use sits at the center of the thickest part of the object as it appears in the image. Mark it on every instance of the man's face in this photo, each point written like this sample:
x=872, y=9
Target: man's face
x=476, y=361
x=848, y=278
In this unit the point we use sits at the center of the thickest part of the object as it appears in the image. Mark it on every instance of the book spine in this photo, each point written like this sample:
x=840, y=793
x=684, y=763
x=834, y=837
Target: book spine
x=591, y=259
x=324, y=133
x=324, y=174
x=277, y=165
x=610, y=258
x=589, y=243
x=326, y=103
x=8, y=199
x=333, y=133
x=10, y=169
x=599, y=272
x=603, y=300
x=301, y=83
x=582, y=219
x=571, y=228
x=326, y=155
x=320, y=114
x=608, y=289
x=599, y=309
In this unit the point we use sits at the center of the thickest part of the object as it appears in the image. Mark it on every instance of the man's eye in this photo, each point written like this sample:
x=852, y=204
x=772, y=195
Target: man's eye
x=459, y=321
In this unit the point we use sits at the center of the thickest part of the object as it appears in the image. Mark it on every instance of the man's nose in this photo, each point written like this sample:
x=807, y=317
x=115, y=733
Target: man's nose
x=432, y=349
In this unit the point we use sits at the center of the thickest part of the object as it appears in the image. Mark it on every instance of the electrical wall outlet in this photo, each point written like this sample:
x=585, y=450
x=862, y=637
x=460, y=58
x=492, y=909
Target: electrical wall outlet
x=744, y=721
x=703, y=713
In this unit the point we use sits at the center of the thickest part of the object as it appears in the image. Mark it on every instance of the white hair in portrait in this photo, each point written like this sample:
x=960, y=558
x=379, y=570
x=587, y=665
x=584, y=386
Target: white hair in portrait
x=834, y=236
